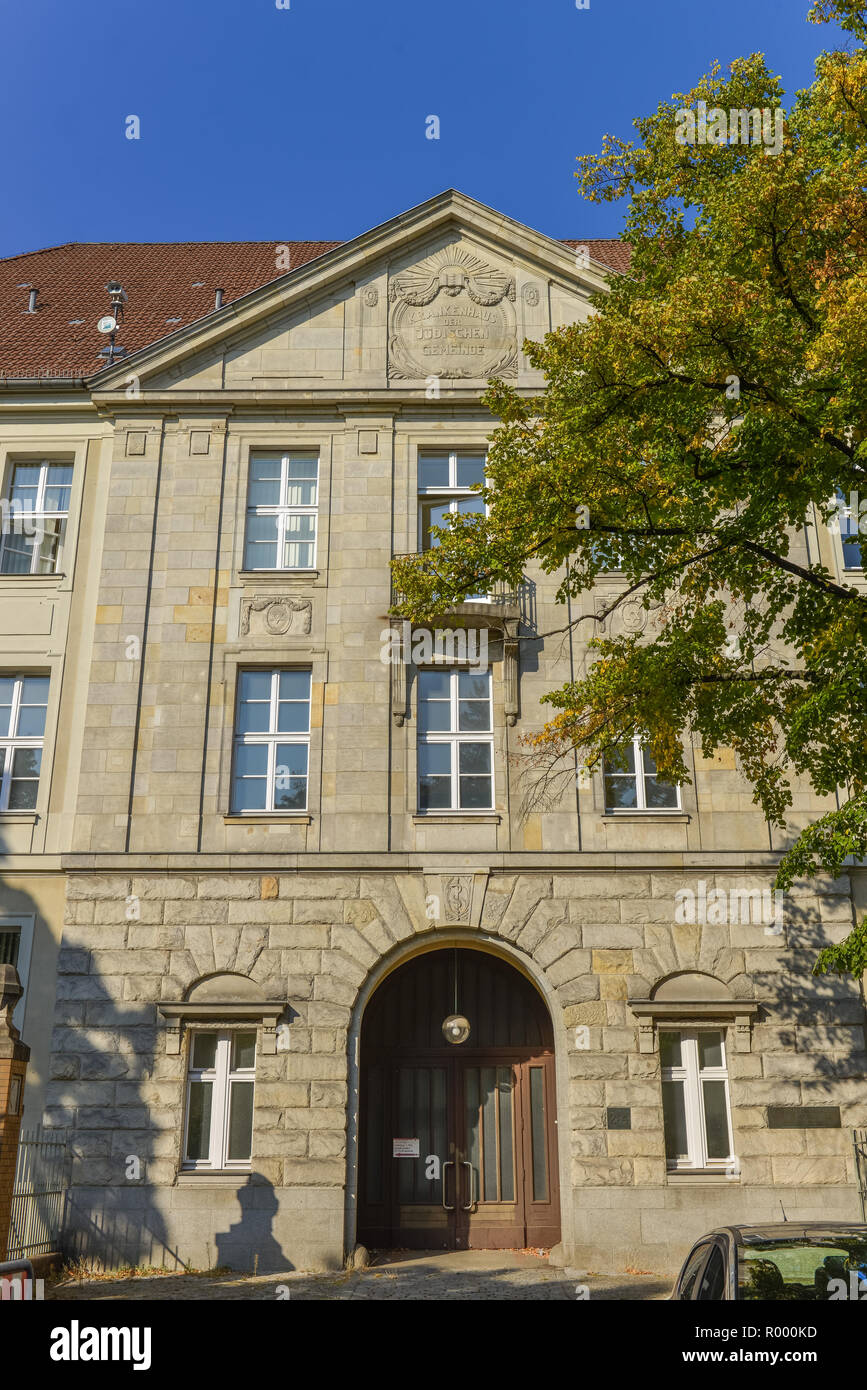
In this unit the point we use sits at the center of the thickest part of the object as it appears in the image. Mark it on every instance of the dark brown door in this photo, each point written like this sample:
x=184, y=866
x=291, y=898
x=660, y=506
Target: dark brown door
x=478, y=1119
x=541, y=1172
x=490, y=1210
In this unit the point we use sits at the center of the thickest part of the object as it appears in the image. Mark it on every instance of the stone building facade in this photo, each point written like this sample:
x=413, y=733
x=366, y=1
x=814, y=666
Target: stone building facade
x=192, y=875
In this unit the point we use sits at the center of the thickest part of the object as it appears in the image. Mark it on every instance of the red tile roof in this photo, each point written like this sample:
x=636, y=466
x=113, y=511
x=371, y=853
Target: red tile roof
x=615, y=254
x=168, y=285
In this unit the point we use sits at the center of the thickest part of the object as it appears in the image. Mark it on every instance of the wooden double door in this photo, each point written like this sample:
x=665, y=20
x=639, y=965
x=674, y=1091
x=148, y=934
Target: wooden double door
x=458, y=1144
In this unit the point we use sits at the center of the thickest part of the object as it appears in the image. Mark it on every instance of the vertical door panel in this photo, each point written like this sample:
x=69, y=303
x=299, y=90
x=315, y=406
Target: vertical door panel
x=541, y=1183
x=420, y=1219
x=490, y=1207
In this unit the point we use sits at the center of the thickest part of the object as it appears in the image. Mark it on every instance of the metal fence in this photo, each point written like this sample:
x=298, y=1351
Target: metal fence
x=39, y=1194
x=859, y=1139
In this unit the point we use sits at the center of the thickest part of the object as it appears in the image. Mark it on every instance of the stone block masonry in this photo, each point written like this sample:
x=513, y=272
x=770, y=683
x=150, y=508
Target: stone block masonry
x=316, y=941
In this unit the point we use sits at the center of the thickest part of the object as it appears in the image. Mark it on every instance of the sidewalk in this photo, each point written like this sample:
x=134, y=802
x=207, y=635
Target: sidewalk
x=467, y=1276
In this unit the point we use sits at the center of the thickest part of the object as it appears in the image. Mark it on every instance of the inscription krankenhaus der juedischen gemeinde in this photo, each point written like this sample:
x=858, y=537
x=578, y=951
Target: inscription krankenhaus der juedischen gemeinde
x=452, y=315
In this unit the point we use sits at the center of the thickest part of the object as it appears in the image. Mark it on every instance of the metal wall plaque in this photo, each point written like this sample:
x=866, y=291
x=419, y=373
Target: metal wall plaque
x=803, y=1117
x=618, y=1117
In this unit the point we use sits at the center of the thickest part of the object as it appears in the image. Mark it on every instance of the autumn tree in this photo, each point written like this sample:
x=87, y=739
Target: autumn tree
x=714, y=404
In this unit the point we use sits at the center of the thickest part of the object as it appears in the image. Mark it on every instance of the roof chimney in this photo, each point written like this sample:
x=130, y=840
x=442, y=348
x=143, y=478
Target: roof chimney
x=31, y=305
x=218, y=299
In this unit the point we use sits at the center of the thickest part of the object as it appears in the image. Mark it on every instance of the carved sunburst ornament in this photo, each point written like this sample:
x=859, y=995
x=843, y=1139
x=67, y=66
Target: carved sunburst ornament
x=452, y=270
x=451, y=316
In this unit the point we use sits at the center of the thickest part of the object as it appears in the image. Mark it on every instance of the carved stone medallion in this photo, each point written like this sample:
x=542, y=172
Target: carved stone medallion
x=633, y=616
x=279, y=616
x=452, y=315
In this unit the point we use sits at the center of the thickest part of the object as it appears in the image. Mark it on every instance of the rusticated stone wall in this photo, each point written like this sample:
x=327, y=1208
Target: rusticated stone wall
x=594, y=941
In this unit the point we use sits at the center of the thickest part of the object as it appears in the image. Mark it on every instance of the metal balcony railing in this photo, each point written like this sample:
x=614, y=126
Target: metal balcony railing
x=497, y=591
x=498, y=595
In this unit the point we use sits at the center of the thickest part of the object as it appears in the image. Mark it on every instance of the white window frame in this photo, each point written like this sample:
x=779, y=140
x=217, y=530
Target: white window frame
x=451, y=494
x=692, y=1075
x=36, y=519
x=12, y=741
x=454, y=738
x=24, y=927
x=640, y=790
x=272, y=739
x=221, y=1076
x=284, y=511
x=844, y=510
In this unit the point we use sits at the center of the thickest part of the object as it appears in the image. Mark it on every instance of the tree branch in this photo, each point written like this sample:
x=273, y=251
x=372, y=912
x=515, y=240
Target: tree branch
x=826, y=585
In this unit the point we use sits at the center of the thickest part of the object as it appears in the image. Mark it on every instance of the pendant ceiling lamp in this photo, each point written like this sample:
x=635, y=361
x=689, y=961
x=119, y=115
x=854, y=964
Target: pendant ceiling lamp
x=456, y=1028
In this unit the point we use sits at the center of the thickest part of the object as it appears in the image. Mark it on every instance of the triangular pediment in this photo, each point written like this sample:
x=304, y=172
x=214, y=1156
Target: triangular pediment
x=448, y=291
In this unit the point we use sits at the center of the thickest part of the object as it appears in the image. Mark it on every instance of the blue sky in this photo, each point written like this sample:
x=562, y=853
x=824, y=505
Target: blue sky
x=260, y=124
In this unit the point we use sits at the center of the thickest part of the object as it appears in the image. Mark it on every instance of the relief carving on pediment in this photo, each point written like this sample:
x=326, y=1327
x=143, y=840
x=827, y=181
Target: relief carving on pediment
x=452, y=316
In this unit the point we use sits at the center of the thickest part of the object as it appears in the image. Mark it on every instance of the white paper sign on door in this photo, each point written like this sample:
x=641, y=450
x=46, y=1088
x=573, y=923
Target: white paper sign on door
x=404, y=1148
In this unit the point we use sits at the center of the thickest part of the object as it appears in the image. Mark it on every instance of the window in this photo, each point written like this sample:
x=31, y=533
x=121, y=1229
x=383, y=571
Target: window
x=615, y=560
x=800, y=1268
x=444, y=484
x=849, y=521
x=695, y=1099
x=455, y=741
x=713, y=1280
x=10, y=942
x=631, y=783
x=272, y=741
x=34, y=517
x=23, y=702
x=219, y=1130
x=445, y=481
x=16, y=943
x=282, y=505
x=686, y=1287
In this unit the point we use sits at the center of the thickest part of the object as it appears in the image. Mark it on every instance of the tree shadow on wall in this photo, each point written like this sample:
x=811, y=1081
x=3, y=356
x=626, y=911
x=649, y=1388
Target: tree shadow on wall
x=123, y=1111
x=103, y=1092
x=36, y=1216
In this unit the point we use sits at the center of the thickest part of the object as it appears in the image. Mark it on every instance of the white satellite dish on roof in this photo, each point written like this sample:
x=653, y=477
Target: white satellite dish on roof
x=107, y=324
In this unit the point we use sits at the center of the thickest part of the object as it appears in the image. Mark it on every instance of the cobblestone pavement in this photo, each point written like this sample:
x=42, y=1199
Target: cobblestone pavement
x=469, y=1276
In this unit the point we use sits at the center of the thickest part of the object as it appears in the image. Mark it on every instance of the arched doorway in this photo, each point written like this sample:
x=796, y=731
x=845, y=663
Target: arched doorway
x=457, y=1142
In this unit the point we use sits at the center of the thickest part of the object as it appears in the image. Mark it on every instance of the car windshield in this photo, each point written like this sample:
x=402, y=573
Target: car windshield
x=813, y=1267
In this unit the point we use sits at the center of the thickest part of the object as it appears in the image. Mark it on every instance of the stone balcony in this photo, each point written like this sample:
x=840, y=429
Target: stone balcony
x=503, y=604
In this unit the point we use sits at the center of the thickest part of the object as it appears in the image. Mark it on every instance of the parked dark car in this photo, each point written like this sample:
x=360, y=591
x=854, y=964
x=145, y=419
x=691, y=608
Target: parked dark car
x=784, y=1262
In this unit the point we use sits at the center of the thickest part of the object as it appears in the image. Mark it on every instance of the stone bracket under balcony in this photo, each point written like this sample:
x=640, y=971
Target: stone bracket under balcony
x=468, y=617
x=506, y=609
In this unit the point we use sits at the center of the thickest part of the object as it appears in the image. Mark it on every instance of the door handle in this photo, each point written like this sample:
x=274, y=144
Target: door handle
x=465, y=1163
x=449, y=1163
